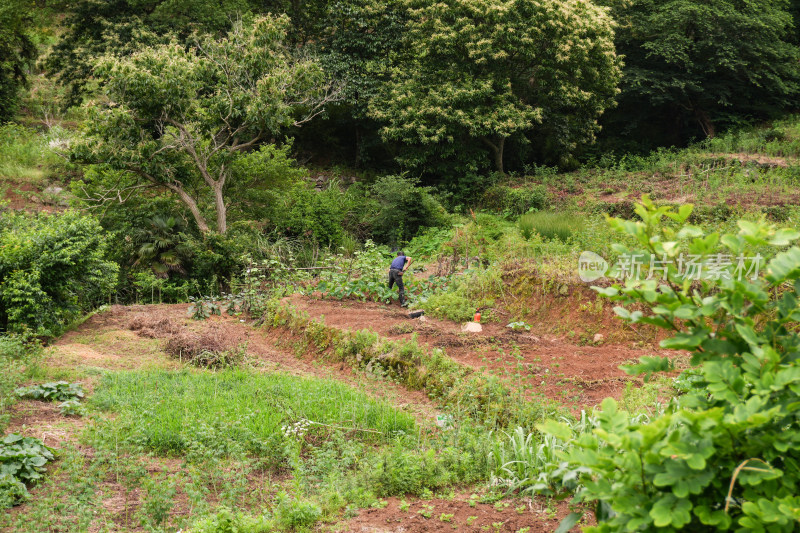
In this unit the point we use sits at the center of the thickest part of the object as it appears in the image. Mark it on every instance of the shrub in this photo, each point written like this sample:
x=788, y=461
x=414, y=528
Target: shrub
x=449, y=305
x=514, y=201
x=292, y=513
x=403, y=209
x=52, y=269
x=549, y=224
x=727, y=456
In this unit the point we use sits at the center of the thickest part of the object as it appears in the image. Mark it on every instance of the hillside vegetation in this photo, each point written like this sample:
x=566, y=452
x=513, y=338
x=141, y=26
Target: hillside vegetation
x=200, y=201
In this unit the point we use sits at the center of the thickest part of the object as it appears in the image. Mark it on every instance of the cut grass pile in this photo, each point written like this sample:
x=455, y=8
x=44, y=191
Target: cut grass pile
x=168, y=412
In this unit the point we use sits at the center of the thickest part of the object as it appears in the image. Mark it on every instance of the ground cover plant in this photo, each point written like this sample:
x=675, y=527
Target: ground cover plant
x=22, y=461
x=58, y=391
x=167, y=411
x=18, y=360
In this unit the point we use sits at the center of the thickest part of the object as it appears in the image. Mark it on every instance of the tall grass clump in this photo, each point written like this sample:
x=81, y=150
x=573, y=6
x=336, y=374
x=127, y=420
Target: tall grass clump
x=549, y=224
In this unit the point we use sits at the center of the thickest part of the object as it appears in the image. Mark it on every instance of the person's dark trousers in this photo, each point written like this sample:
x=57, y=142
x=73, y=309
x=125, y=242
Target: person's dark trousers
x=396, y=276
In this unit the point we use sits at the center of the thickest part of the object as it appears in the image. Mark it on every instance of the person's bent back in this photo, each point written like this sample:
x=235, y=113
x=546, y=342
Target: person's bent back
x=396, y=269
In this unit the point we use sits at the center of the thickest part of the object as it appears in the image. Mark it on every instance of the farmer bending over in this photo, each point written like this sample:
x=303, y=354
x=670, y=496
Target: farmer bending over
x=398, y=266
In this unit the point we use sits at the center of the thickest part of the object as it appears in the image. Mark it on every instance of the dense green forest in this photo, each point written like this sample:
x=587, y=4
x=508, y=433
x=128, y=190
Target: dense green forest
x=200, y=200
x=188, y=128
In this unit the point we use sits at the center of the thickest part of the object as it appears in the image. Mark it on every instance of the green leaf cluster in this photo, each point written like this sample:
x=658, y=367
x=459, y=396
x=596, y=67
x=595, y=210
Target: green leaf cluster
x=58, y=391
x=727, y=455
x=52, y=269
x=22, y=461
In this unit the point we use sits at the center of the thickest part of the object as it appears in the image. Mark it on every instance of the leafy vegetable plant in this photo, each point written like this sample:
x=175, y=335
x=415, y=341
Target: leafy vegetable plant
x=22, y=461
x=58, y=391
x=202, y=309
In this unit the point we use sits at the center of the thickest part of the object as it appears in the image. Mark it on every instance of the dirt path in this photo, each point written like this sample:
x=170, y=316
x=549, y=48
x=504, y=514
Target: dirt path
x=579, y=376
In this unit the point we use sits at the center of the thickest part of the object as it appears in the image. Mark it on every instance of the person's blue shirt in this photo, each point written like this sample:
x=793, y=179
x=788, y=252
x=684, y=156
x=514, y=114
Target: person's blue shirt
x=399, y=262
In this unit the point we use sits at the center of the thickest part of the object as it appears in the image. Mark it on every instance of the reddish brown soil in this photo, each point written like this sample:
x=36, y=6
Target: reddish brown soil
x=24, y=197
x=43, y=420
x=580, y=376
x=507, y=515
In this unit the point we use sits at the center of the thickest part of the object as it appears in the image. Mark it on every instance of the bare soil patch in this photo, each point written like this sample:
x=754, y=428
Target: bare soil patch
x=458, y=514
x=43, y=420
x=573, y=374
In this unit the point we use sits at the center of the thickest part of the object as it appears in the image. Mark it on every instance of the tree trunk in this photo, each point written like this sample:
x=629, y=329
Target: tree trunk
x=498, y=155
x=222, y=210
x=497, y=151
x=705, y=122
x=202, y=225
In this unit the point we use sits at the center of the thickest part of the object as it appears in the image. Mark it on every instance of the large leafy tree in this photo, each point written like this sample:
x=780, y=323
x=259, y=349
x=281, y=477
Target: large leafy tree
x=17, y=53
x=488, y=70
x=358, y=42
x=184, y=120
x=99, y=27
x=704, y=62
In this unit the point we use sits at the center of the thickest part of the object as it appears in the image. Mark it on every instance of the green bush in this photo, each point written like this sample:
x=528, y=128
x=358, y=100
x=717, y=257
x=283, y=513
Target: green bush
x=549, y=224
x=403, y=210
x=514, y=201
x=52, y=269
x=727, y=456
x=12, y=491
x=292, y=513
x=449, y=305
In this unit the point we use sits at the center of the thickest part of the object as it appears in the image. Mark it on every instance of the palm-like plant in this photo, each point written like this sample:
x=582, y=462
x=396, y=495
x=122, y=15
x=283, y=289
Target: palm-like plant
x=160, y=246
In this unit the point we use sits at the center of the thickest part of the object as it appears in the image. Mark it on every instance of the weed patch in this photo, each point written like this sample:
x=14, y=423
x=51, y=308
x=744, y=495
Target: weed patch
x=232, y=411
